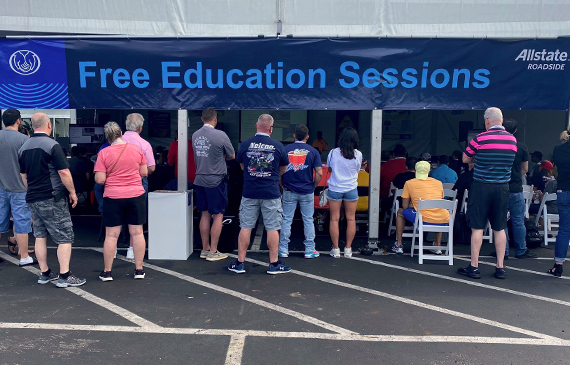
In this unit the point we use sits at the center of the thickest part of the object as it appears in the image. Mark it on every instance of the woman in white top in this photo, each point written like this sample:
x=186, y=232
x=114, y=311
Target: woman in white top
x=344, y=164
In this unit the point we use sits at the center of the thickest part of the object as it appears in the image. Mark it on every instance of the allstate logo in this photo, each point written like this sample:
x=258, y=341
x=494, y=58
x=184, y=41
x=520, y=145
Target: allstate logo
x=24, y=62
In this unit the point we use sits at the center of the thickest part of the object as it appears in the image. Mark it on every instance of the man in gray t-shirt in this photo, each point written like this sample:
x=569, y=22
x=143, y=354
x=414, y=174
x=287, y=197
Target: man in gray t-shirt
x=211, y=150
x=12, y=188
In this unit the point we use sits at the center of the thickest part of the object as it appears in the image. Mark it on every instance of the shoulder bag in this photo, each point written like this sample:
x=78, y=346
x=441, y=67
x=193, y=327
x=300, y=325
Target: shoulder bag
x=323, y=198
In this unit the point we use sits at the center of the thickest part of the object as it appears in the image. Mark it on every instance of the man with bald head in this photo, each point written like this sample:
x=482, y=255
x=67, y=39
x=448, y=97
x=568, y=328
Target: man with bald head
x=263, y=160
x=45, y=172
x=493, y=153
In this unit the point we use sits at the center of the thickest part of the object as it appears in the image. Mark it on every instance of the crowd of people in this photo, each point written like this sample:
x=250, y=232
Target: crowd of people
x=37, y=186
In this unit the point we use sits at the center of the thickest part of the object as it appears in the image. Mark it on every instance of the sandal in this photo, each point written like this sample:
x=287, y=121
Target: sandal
x=556, y=270
x=12, y=246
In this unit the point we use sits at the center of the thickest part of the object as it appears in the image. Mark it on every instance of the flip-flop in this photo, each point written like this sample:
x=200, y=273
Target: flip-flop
x=12, y=247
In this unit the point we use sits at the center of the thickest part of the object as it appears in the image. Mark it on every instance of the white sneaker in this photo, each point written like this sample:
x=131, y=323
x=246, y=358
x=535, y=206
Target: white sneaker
x=347, y=252
x=130, y=254
x=335, y=252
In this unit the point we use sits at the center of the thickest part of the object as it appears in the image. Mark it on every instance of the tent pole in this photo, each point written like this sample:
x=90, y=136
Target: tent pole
x=375, y=158
x=182, y=149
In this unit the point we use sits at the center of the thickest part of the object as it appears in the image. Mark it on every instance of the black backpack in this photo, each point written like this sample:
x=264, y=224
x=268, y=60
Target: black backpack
x=533, y=237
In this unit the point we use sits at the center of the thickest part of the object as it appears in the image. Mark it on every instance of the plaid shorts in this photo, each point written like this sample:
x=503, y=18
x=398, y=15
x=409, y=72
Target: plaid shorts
x=53, y=218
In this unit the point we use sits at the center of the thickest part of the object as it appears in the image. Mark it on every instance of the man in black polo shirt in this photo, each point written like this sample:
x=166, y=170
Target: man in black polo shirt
x=45, y=172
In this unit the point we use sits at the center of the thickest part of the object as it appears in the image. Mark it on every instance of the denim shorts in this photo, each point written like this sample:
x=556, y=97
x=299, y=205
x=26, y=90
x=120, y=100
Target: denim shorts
x=51, y=217
x=271, y=210
x=349, y=196
x=14, y=204
x=410, y=215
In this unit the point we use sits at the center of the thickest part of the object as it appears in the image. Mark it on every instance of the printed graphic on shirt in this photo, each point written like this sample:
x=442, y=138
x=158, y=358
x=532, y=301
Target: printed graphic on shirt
x=261, y=158
x=297, y=159
x=202, y=146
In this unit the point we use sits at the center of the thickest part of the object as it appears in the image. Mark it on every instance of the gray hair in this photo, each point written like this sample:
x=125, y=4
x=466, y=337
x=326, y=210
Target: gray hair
x=494, y=115
x=134, y=122
x=112, y=131
x=264, y=122
x=39, y=120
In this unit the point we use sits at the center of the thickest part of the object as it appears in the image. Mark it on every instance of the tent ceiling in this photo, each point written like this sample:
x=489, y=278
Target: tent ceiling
x=323, y=18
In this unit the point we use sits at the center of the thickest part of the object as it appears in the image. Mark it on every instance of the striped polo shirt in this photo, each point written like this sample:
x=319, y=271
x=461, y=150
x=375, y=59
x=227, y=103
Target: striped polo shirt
x=494, y=151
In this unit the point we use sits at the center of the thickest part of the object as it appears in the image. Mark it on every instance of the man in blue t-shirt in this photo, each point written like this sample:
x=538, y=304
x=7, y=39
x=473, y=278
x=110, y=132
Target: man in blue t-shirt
x=263, y=160
x=299, y=187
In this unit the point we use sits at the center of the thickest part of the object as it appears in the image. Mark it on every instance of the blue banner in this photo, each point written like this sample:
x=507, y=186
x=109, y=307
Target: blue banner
x=286, y=73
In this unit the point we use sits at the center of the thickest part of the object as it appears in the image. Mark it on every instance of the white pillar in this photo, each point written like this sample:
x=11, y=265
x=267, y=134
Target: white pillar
x=182, y=150
x=375, y=158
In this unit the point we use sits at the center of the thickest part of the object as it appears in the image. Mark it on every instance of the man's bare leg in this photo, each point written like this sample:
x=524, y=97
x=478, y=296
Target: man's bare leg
x=400, y=225
x=22, y=240
x=500, y=245
x=476, y=242
x=63, y=256
x=216, y=231
x=273, y=245
x=438, y=236
x=243, y=243
x=205, y=230
x=41, y=253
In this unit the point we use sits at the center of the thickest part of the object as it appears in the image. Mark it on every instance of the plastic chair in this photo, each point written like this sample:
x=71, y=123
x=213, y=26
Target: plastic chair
x=528, y=188
x=363, y=196
x=487, y=232
x=448, y=186
x=549, y=220
x=527, y=202
x=450, y=194
x=394, y=216
x=391, y=192
x=420, y=228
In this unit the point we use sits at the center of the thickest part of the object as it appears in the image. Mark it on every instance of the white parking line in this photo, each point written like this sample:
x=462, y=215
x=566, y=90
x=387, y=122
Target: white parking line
x=248, y=298
x=235, y=350
x=516, y=268
x=129, y=316
x=300, y=335
x=415, y=303
x=463, y=281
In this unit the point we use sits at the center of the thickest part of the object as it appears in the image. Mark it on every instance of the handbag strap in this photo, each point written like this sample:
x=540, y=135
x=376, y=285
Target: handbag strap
x=118, y=158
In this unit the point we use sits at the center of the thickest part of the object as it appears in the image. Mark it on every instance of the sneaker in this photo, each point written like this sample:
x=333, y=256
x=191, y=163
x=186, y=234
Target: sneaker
x=204, y=254
x=71, y=280
x=397, y=249
x=237, y=267
x=500, y=273
x=28, y=262
x=105, y=276
x=282, y=254
x=470, y=271
x=44, y=279
x=527, y=255
x=130, y=254
x=216, y=256
x=280, y=268
x=335, y=252
x=139, y=274
x=347, y=252
x=312, y=255
x=435, y=250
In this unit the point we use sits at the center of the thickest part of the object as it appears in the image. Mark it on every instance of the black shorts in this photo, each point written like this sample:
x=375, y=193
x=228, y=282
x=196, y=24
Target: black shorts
x=131, y=211
x=488, y=202
x=213, y=200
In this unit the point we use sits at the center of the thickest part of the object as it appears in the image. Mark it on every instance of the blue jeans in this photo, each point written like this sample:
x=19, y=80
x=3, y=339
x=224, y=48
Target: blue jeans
x=516, y=208
x=563, y=237
x=307, y=206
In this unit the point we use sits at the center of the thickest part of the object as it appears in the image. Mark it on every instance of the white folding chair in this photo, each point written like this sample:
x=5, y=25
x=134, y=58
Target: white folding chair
x=527, y=201
x=487, y=232
x=450, y=194
x=420, y=228
x=549, y=220
x=448, y=186
x=528, y=188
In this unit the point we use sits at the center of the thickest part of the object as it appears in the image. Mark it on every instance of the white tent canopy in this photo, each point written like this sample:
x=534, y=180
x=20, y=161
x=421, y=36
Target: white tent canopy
x=321, y=18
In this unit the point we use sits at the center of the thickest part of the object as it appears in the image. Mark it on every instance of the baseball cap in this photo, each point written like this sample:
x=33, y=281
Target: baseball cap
x=537, y=154
x=422, y=170
x=547, y=165
x=426, y=156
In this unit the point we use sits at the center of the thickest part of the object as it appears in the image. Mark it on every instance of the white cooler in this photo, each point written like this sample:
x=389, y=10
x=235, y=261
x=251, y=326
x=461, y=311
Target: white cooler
x=170, y=233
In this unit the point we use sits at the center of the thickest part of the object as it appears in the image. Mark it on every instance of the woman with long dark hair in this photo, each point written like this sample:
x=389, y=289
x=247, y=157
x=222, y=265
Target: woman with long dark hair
x=344, y=164
x=561, y=159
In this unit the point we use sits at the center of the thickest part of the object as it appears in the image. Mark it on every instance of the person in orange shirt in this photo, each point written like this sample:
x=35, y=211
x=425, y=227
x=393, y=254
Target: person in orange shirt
x=320, y=144
x=425, y=188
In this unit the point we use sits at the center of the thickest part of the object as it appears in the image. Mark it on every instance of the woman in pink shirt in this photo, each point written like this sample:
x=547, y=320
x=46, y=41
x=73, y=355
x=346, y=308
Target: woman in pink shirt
x=119, y=167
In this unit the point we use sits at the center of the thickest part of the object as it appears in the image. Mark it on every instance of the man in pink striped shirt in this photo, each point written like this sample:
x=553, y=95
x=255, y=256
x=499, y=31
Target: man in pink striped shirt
x=493, y=153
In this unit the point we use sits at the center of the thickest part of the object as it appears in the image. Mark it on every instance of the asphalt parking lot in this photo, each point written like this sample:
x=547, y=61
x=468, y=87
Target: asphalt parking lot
x=365, y=310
